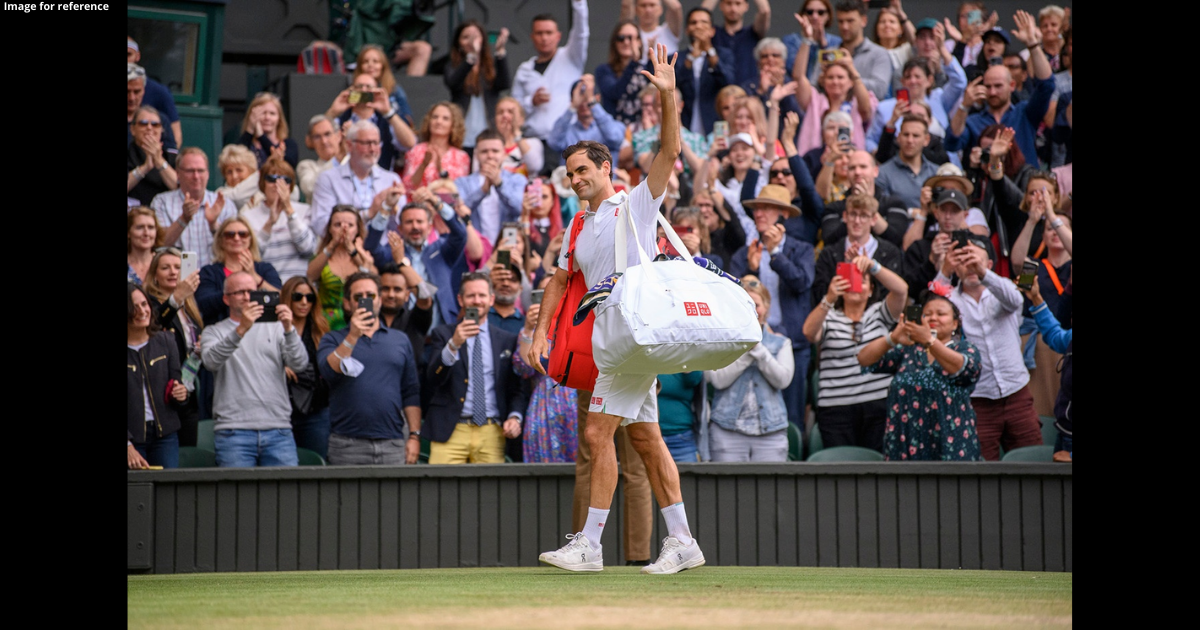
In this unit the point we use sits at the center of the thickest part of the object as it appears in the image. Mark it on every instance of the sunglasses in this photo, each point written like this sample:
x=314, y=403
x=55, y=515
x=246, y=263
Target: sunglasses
x=816, y=11
x=358, y=296
x=149, y=123
x=274, y=177
x=626, y=38
x=311, y=298
x=236, y=234
x=174, y=251
x=787, y=172
x=753, y=284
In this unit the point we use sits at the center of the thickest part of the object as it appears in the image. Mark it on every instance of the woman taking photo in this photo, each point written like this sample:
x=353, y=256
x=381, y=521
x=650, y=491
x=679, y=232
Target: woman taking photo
x=541, y=216
x=917, y=78
x=749, y=419
x=285, y=237
x=235, y=248
x=151, y=167
x=620, y=81
x=476, y=77
x=851, y=405
x=264, y=119
x=308, y=392
x=142, y=238
x=153, y=390
x=173, y=300
x=339, y=254
x=374, y=63
x=840, y=84
x=934, y=372
x=820, y=15
x=240, y=169
x=372, y=103
x=439, y=154
x=521, y=154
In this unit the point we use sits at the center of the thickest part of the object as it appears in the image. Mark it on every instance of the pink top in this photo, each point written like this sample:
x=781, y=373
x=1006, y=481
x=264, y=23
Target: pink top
x=809, y=137
x=1063, y=174
x=455, y=161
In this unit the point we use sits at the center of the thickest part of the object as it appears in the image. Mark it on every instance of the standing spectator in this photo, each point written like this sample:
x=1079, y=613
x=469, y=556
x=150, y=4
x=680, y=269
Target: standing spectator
x=841, y=89
x=740, y=38
x=307, y=389
x=398, y=281
x=895, y=34
x=506, y=284
x=790, y=172
x=706, y=70
x=725, y=232
x=750, y=416
x=926, y=257
x=374, y=106
x=239, y=168
x=966, y=41
x=340, y=254
x=543, y=83
x=1000, y=182
x=359, y=183
x=871, y=61
x=934, y=152
x=1060, y=341
x=522, y=154
x=860, y=213
x=177, y=209
x=821, y=16
x=363, y=365
x=646, y=14
x=285, y=238
x=1052, y=20
x=372, y=61
x=732, y=179
x=143, y=236
x=995, y=89
x=620, y=81
x=771, y=85
x=235, y=249
x=550, y=431
x=264, y=119
x=439, y=154
x=904, y=175
x=433, y=260
x=892, y=219
x=151, y=166
x=153, y=389
x=677, y=418
x=175, y=310
x=645, y=142
x=919, y=80
x=157, y=96
x=586, y=120
x=493, y=194
x=929, y=406
x=250, y=405
x=851, y=405
x=325, y=138
x=478, y=400
x=476, y=77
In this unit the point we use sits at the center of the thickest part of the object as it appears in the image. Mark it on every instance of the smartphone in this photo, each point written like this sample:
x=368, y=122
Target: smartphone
x=913, y=313
x=355, y=97
x=511, y=232
x=492, y=36
x=961, y=237
x=850, y=272
x=367, y=303
x=902, y=95
x=448, y=198
x=504, y=258
x=721, y=130
x=535, y=189
x=995, y=61
x=843, y=137
x=830, y=55
x=536, y=296
x=974, y=17
x=269, y=300
x=189, y=262
x=974, y=72
x=1028, y=275
x=472, y=313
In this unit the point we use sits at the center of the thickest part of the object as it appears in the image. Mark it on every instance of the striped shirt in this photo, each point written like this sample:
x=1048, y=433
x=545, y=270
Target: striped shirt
x=290, y=243
x=842, y=381
x=197, y=236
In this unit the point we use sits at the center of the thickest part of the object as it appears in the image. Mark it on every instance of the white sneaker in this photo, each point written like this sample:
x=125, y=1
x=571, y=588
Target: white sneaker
x=577, y=555
x=676, y=557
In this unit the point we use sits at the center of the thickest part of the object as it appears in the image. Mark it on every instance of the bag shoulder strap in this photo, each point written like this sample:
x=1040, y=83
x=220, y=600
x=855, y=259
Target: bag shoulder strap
x=576, y=228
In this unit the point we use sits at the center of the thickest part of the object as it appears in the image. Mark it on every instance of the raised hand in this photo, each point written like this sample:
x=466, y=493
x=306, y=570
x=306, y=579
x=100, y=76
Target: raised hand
x=501, y=41
x=806, y=27
x=837, y=287
x=186, y=287
x=664, y=69
x=975, y=93
x=1002, y=143
x=1027, y=30
x=213, y=210
x=754, y=255
x=953, y=32
x=780, y=92
x=190, y=206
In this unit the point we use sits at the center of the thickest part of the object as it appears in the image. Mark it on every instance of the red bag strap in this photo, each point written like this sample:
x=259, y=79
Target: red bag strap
x=576, y=228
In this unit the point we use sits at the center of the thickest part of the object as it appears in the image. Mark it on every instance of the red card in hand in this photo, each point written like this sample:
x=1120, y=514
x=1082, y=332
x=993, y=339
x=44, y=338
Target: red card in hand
x=850, y=272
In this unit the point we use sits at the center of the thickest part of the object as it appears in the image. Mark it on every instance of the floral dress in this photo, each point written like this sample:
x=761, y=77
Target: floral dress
x=455, y=162
x=550, y=431
x=929, y=410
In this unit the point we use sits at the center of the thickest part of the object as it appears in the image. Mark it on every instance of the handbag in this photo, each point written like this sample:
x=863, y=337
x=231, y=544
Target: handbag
x=571, y=362
x=303, y=390
x=670, y=316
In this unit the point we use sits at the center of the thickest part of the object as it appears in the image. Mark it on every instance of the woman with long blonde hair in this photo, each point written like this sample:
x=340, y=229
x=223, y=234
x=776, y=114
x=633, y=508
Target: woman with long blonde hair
x=235, y=248
x=265, y=130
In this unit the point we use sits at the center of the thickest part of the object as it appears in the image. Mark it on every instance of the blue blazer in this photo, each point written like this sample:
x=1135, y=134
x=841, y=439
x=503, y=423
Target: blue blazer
x=795, y=265
x=449, y=383
x=439, y=258
x=712, y=79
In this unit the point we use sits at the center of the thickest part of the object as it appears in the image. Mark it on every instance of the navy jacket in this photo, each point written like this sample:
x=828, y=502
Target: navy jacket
x=439, y=257
x=712, y=79
x=449, y=383
x=212, y=288
x=795, y=267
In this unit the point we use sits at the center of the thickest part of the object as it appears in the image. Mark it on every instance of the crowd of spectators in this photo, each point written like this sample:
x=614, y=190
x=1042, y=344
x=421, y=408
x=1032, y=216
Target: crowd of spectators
x=880, y=183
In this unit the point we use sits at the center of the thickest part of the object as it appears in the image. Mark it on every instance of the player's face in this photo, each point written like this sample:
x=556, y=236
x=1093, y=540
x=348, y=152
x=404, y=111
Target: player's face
x=585, y=178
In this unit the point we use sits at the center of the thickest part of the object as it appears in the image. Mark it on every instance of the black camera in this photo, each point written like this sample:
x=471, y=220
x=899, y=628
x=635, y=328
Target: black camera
x=985, y=156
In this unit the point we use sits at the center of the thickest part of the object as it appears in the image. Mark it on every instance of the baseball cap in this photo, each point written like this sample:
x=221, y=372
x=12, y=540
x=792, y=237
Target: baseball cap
x=741, y=137
x=950, y=195
x=996, y=30
x=927, y=23
x=949, y=171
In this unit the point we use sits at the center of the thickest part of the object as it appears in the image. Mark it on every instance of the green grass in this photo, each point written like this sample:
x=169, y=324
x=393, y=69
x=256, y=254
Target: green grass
x=544, y=597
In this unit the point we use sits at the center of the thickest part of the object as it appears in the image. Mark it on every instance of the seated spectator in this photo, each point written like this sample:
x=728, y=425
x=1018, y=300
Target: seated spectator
x=250, y=404
x=903, y=175
x=585, y=119
x=235, y=249
x=142, y=238
x=374, y=390
x=373, y=62
x=372, y=105
x=359, y=182
x=240, y=170
x=136, y=93
x=749, y=416
x=522, y=154
x=478, y=399
x=434, y=260
x=153, y=390
x=397, y=282
x=932, y=364
x=493, y=194
x=892, y=219
x=325, y=138
x=151, y=166
x=934, y=152
x=541, y=216
x=172, y=299
x=439, y=155
x=157, y=96
x=860, y=214
x=701, y=73
x=851, y=405
x=620, y=80
x=177, y=209
x=476, y=77
x=285, y=238
x=265, y=120
x=550, y=431
x=839, y=83
x=340, y=253
x=919, y=82
x=307, y=389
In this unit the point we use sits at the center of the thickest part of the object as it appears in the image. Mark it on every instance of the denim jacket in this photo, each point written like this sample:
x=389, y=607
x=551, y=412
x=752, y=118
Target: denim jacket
x=727, y=403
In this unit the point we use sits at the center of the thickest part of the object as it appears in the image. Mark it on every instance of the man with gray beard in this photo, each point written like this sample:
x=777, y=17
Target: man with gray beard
x=506, y=281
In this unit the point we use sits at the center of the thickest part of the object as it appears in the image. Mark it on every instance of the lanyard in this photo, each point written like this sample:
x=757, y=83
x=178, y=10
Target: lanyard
x=1053, y=275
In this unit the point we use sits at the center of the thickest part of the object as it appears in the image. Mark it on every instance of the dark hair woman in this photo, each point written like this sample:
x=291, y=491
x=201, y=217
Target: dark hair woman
x=620, y=81
x=308, y=392
x=153, y=388
x=476, y=76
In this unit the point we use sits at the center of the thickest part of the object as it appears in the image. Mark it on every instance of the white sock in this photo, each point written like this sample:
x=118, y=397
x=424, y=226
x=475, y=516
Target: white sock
x=595, y=526
x=677, y=523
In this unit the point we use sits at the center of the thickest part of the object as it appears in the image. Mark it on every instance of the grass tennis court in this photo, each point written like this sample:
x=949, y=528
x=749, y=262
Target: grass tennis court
x=620, y=597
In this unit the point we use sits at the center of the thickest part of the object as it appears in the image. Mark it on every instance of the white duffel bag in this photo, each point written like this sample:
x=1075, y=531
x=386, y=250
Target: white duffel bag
x=670, y=316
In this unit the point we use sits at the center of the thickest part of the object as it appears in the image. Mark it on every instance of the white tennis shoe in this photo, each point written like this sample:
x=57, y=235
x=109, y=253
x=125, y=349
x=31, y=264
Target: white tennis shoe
x=577, y=555
x=676, y=557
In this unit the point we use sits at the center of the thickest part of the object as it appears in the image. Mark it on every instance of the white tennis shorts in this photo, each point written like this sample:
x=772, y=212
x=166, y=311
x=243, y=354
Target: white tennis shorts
x=630, y=396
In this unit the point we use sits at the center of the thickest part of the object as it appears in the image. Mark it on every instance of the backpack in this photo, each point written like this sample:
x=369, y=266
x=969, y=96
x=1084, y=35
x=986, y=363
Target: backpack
x=571, y=362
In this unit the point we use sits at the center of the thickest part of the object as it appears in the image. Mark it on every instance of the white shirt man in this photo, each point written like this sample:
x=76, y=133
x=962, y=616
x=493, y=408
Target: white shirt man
x=326, y=139
x=360, y=182
x=647, y=13
x=545, y=93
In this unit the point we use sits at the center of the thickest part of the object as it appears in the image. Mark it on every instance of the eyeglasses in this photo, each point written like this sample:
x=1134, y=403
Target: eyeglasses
x=305, y=297
x=816, y=11
x=787, y=172
x=236, y=234
x=772, y=54
x=149, y=123
x=367, y=143
x=193, y=171
x=753, y=284
x=358, y=296
x=238, y=292
x=273, y=177
x=626, y=38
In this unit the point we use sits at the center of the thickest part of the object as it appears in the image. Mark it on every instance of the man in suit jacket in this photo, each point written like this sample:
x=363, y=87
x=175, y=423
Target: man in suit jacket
x=860, y=213
x=475, y=388
x=785, y=267
x=705, y=69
